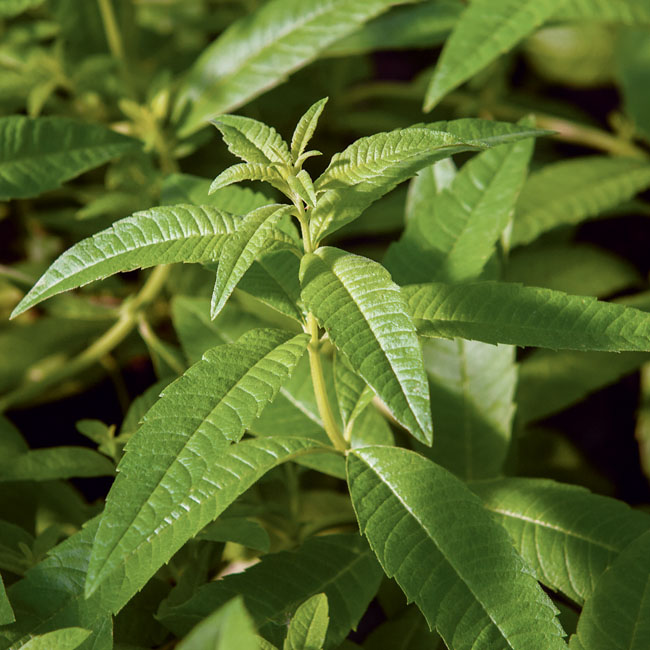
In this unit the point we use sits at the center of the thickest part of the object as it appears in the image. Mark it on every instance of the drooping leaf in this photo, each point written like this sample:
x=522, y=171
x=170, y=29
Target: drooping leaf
x=568, y=535
x=228, y=628
x=6, y=612
x=340, y=566
x=163, y=235
x=453, y=242
x=503, y=312
x=308, y=627
x=368, y=321
x=582, y=188
x=240, y=251
x=305, y=128
x=170, y=462
x=486, y=29
x=617, y=615
x=67, y=638
x=259, y=51
x=629, y=12
x=433, y=535
x=37, y=155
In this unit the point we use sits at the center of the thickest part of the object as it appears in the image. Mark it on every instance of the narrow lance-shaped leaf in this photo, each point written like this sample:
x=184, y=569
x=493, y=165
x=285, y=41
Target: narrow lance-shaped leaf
x=500, y=312
x=367, y=319
x=305, y=128
x=6, y=612
x=485, y=30
x=181, y=233
x=261, y=50
x=582, y=188
x=433, y=535
x=617, y=615
x=308, y=626
x=167, y=464
x=568, y=535
x=240, y=251
x=37, y=155
x=251, y=172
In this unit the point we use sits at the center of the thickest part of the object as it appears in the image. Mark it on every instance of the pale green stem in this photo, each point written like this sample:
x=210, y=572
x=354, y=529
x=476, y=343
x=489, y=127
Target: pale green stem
x=96, y=351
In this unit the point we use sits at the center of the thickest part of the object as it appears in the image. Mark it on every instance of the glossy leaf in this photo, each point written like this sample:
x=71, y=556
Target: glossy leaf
x=181, y=233
x=6, y=612
x=485, y=30
x=568, y=535
x=340, y=566
x=228, y=628
x=179, y=442
x=367, y=319
x=582, y=188
x=37, y=155
x=308, y=626
x=305, y=128
x=239, y=252
x=617, y=615
x=259, y=51
x=501, y=312
x=432, y=534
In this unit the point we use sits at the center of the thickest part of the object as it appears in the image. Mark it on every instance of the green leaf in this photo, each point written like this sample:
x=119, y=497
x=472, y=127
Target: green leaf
x=57, y=462
x=487, y=133
x=453, y=242
x=67, y=638
x=308, y=627
x=171, y=461
x=370, y=428
x=566, y=534
x=633, y=57
x=240, y=251
x=425, y=187
x=237, y=529
x=253, y=141
x=302, y=185
x=407, y=631
x=367, y=319
x=182, y=233
x=11, y=8
x=12, y=443
x=340, y=566
x=485, y=30
x=305, y=128
x=251, y=172
x=503, y=312
x=472, y=388
x=351, y=390
x=617, y=615
x=629, y=12
x=37, y=155
x=6, y=612
x=433, y=535
x=228, y=628
x=261, y=50
x=582, y=188
x=185, y=188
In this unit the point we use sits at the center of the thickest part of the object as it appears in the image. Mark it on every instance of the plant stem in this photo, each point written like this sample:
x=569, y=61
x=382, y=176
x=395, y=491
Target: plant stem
x=97, y=350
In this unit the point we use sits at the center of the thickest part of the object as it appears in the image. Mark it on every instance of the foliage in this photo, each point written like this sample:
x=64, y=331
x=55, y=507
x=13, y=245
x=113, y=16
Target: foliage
x=330, y=437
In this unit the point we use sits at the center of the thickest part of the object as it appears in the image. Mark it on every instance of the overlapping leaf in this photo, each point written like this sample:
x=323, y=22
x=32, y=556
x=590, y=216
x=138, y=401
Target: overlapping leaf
x=500, y=312
x=352, y=392
x=305, y=128
x=163, y=235
x=582, y=188
x=37, y=155
x=168, y=466
x=308, y=627
x=485, y=30
x=433, y=535
x=261, y=50
x=367, y=319
x=568, y=535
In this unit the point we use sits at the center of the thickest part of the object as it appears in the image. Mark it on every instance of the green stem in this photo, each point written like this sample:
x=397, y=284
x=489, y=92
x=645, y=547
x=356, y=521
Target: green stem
x=96, y=351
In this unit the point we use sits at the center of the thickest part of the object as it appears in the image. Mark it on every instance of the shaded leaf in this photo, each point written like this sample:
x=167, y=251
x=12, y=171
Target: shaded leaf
x=11, y=8
x=351, y=390
x=6, y=612
x=633, y=59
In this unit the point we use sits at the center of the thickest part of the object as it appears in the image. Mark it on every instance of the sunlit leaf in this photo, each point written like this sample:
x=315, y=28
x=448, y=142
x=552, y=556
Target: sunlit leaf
x=308, y=626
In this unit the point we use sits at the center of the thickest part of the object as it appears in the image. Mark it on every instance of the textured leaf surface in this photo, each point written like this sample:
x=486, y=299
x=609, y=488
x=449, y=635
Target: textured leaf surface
x=617, y=616
x=259, y=51
x=568, y=535
x=472, y=387
x=305, y=128
x=582, y=188
x=340, y=566
x=169, y=465
x=6, y=612
x=487, y=133
x=37, y=155
x=308, y=627
x=500, y=312
x=181, y=233
x=630, y=12
x=455, y=239
x=68, y=638
x=367, y=319
x=485, y=30
x=352, y=392
x=252, y=140
x=239, y=251
x=433, y=535
x=228, y=628
x=250, y=172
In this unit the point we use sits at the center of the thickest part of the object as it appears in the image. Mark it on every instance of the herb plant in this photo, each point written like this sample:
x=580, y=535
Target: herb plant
x=333, y=427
